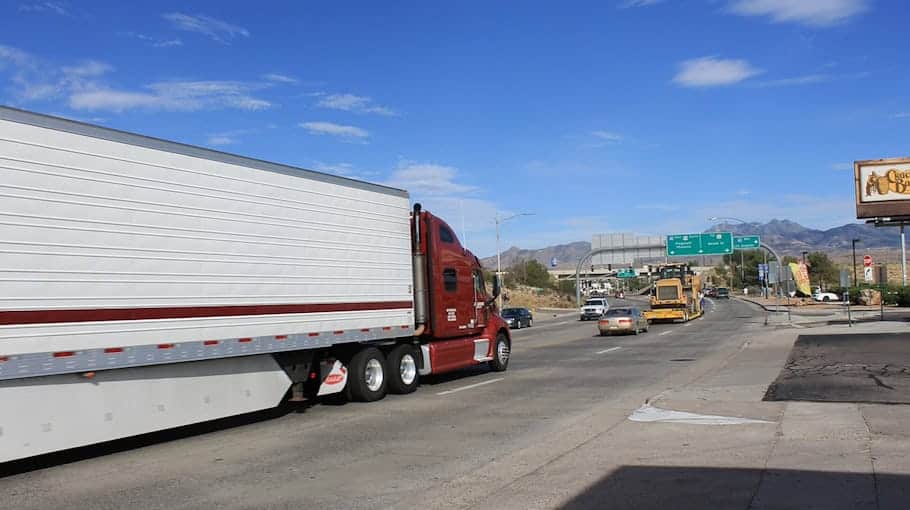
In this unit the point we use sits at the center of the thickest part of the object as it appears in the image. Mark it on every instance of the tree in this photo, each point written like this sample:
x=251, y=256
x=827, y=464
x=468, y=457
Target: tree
x=536, y=275
x=531, y=273
x=822, y=270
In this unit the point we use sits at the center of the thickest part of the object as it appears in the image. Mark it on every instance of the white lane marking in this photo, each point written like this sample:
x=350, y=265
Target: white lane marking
x=611, y=349
x=468, y=387
x=648, y=413
x=665, y=333
x=686, y=325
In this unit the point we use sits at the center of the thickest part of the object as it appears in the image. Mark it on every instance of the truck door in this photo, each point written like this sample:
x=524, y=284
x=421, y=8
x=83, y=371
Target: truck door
x=454, y=288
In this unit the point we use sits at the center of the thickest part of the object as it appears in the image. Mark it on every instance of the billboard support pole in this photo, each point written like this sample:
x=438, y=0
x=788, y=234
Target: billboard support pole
x=903, y=255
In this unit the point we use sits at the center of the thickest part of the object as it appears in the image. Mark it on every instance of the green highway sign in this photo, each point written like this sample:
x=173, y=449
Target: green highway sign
x=746, y=242
x=626, y=274
x=713, y=243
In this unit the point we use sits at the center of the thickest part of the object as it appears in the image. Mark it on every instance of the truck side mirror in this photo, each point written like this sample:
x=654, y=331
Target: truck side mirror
x=497, y=288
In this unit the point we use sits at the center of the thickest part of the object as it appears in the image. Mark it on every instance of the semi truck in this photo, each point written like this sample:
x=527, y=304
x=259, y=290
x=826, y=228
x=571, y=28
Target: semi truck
x=676, y=295
x=147, y=285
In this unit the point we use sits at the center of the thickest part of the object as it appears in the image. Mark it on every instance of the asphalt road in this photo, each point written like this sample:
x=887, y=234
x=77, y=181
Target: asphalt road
x=404, y=451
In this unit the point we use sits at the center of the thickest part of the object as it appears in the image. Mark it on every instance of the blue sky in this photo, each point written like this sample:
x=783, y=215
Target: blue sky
x=640, y=116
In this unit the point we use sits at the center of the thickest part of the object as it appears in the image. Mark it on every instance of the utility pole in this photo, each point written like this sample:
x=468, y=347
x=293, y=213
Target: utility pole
x=499, y=221
x=855, y=280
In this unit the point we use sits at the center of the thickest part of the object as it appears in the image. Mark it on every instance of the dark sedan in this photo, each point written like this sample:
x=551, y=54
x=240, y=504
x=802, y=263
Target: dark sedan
x=518, y=317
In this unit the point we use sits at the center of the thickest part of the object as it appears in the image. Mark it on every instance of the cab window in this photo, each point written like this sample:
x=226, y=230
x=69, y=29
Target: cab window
x=449, y=279
x=445, y=235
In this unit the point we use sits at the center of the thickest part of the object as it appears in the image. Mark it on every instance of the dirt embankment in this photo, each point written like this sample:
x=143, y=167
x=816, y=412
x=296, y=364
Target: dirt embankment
x=532, y=298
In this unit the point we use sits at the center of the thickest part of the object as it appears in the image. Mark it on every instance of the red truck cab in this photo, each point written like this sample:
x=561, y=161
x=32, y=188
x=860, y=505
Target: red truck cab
x=458, y=324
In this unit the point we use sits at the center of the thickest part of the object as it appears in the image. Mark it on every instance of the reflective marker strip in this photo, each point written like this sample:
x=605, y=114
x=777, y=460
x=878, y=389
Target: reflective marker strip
x=62, y=362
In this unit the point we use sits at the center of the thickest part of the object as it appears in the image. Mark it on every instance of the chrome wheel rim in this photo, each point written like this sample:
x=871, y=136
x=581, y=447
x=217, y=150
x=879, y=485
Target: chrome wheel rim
x=373, y=375
x=408, y=369
x=502, y=352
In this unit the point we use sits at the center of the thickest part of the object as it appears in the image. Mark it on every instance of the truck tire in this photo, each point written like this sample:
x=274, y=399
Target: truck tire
x=368, y=375
x=501, y=354
x=403, y=376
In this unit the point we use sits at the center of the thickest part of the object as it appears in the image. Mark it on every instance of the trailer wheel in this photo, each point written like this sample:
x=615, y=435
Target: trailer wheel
x=368, y=379
x=501, y=353
x=403, y=377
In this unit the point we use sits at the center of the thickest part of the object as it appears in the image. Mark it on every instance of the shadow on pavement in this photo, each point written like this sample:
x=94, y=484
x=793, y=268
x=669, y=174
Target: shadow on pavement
x=666, y=488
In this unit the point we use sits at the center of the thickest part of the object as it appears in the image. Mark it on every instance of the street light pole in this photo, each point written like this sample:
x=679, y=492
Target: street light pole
x=499, y=221
x=742, y=254
x=855, y=281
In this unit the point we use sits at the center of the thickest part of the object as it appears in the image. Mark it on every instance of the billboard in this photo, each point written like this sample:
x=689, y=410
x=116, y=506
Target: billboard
x=882, y=188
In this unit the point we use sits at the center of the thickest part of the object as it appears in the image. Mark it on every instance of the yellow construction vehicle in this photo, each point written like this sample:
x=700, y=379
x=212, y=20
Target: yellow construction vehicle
x=676, y=295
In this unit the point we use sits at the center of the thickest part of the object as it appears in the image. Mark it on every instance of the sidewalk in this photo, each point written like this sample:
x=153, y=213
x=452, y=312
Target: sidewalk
x=710, y=441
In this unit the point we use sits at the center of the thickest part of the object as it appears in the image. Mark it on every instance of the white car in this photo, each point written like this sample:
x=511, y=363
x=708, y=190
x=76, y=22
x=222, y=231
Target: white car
x=594, y=308
x=825, y=296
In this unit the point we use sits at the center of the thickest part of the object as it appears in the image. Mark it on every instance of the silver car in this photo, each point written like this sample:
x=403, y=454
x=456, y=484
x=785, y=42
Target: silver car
x=622, y=320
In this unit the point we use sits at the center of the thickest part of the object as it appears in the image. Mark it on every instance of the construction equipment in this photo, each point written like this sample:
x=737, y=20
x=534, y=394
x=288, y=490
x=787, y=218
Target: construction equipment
x=676, y=295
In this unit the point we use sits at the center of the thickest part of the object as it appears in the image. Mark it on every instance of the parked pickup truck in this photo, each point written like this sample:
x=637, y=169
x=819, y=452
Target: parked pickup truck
x=594, y=308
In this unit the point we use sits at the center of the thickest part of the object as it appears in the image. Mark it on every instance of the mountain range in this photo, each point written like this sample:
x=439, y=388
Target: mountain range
x=785, y=236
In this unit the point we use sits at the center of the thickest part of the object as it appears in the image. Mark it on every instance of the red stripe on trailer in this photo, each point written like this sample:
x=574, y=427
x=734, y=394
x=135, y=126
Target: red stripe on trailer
x=245, y=340
x=165, y=346
x=365, y=330
x=387, y=328
x=113, y=350
x=405, y=327
x=281, y=337
x=64, y=354
x=18, y=317
x=4, y=358
x=339, y=332
x=210, y=342
x=312, y=334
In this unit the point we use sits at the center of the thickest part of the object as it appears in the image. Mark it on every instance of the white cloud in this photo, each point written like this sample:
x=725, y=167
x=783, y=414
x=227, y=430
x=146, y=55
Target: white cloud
x=87, y=69
x=428, y=179
x=638, y=3
x=172, y=96
x=226, y=137
x=901, y=115
x=15, y=56
x=608, y=136
x=842, y=166
x=332, y=129
x=155, y=42
x=818, y=13
x=352, y=103
x=219, y=140
x=49, y=7
x=713, y=72
x=279, y=78
x=32, y=79
x=214, y=29
x=796, y=80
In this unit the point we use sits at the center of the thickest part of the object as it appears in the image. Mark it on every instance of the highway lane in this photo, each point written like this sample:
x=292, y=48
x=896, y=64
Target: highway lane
x=405, y=450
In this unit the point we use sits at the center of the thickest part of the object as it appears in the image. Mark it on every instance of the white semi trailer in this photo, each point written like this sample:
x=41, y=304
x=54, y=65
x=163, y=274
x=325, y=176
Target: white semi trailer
x=147, y=284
